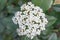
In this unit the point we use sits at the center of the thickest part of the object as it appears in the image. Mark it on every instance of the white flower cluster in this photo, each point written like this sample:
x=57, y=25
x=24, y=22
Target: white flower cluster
x=31, y=20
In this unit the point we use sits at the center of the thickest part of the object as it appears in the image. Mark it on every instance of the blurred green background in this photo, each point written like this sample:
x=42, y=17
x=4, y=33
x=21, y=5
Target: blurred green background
x=8, y=28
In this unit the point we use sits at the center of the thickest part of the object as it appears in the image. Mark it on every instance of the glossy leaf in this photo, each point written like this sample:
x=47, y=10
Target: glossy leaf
x=12, y=9
x=44, y=4
x=2, y=4
x=51, y=20
x=35, y=38
x=57, y=8
x=1, y=37
x=1, y=27
x=10, y=26
x=53, y=36
x=24, y=38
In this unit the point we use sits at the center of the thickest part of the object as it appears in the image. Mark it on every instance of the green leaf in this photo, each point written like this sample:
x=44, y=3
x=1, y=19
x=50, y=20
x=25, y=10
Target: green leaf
x=10, y=26
x=1, y=27
x=35, y=38
x=20, y=2
x=7, y=37
x=12, y=9
x=51, y=20
x=53, y=36
x=1, y=37
x=44, y=4
x=24, y=38
x=57, y=7
x=58, y=38
x=12, y=1
x=2, y=4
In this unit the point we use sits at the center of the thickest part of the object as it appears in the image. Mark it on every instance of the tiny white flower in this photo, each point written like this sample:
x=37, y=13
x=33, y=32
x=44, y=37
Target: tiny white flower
x=14, y=20
x=23, y=7
x=31, y=20
x=29, y=3
x=38, y=32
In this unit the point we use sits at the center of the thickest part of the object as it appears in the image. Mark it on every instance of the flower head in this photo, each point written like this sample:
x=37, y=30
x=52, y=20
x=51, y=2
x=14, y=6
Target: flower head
x=31, y=20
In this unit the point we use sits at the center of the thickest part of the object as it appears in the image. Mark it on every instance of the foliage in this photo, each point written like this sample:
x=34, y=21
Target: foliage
x=8, y=28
